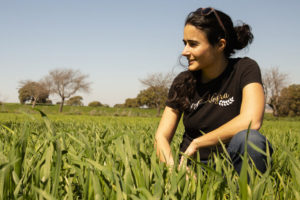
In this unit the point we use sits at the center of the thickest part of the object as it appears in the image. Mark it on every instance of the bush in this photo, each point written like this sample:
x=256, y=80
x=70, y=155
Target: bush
x=48, y=102
x=119, y=106
x=95, y=104
x=75, y=101
x=289, y=101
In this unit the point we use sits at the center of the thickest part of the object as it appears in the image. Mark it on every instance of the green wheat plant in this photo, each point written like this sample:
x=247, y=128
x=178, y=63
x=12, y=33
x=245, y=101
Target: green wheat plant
x=113, y=157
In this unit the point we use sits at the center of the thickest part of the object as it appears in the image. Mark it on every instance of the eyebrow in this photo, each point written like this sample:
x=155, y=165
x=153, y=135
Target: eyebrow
x=189, y=41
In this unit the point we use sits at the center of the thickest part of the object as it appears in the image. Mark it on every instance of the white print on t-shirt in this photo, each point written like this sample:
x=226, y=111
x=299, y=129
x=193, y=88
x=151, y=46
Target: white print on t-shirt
x=218, y=99
x=226, y=102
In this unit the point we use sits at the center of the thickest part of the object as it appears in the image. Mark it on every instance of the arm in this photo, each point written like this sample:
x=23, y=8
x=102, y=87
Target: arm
x=252, y=110
x=165, y=133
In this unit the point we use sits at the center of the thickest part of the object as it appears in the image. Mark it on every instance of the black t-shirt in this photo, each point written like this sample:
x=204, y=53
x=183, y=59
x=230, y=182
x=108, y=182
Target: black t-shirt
x=219, y=100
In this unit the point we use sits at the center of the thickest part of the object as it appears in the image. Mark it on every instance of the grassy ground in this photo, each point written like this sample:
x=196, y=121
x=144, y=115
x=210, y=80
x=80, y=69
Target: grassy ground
x=77, y=110
x=112, y=157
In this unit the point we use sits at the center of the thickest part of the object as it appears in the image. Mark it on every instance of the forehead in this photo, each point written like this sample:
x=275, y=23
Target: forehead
x=190, y=32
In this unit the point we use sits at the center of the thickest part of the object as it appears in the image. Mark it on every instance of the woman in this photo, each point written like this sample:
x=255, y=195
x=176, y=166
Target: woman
x=217, y=95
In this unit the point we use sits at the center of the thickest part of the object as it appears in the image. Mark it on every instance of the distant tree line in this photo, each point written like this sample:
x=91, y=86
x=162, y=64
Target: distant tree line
x=156, y=92
x=284, y=100
x=62, y=82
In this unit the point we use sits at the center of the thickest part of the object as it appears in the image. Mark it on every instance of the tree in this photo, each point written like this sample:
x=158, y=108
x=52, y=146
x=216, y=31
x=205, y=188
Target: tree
x=65, y=83
x=158, y=80
x=289, y=101
x=131, y=103
x=119, y=105
x=75, y=101
x=156, y=93
x=35, y=92
x=95, y=104
x=153, y=97
x=273, y=82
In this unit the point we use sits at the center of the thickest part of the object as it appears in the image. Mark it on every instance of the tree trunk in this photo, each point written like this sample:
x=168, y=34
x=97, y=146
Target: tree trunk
x=158, y=111
x=275, y=111
x=33, y=103
x=274, y=104
x=61, y=104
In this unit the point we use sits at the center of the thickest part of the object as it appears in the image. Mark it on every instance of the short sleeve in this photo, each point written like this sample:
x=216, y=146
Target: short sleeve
x=250, y=72
x=172, y=94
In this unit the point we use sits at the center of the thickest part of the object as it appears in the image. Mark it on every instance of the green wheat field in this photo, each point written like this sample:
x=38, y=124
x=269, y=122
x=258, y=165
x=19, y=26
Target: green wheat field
x=110, y=155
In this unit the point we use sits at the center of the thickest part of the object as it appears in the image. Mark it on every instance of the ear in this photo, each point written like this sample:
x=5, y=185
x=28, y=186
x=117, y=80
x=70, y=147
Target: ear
x=221, y=44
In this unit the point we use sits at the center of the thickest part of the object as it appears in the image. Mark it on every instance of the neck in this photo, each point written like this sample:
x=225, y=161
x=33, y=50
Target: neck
x=215, y=70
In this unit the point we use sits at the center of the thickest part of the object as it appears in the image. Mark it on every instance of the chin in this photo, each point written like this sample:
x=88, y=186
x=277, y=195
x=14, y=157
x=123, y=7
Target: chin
x=193, y=68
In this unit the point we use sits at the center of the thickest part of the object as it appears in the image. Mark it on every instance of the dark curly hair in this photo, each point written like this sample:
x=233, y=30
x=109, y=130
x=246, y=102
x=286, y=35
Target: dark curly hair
x=237, y=37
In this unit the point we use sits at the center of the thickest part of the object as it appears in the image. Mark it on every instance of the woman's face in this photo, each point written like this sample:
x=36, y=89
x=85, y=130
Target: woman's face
x=199, y=52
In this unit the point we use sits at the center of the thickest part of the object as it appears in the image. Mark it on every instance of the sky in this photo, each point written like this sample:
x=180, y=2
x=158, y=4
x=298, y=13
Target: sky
x=117, y=43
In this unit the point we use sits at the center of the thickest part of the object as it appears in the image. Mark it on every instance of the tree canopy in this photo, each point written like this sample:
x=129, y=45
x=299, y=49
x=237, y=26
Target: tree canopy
x=65, y=83
x=95, y=104
x=75, y=101
x=289, y=101
x=155, y=95
x=131, y=103
x=32, y=91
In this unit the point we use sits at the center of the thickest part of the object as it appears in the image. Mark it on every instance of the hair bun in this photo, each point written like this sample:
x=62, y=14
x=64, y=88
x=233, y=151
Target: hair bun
x=243, y=36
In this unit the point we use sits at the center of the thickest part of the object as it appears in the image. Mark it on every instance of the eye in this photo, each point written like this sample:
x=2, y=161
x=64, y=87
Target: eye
x=193, y=43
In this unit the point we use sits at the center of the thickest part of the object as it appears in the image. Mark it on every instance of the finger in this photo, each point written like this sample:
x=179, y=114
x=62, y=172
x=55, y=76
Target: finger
x=188, y=152
x=181, y=161
x=191, y=152
x=188, y=174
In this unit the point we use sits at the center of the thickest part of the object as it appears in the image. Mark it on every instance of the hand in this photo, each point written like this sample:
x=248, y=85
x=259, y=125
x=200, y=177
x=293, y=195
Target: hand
x=191, y=150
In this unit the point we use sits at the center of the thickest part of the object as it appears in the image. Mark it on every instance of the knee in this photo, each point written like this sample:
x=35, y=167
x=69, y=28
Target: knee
x=237, y=145
x=238, y=142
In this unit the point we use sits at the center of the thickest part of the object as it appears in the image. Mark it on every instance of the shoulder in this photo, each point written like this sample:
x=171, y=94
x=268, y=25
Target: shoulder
x=244, y=62
x=247, y=71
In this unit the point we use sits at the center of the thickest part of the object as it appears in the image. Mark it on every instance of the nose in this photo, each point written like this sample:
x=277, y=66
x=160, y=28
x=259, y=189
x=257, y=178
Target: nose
x=186, y=51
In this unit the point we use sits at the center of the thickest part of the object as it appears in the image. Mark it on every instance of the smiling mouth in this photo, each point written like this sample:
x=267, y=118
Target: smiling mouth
x=191, y=62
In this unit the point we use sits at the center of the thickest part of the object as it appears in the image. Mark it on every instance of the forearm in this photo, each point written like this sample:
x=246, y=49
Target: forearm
x=225, y=132
x=252, y=110
x=163, y=150
x=165, y=133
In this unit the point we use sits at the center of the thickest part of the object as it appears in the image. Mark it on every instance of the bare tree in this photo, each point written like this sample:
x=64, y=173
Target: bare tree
x=274, y=81
x=158, y=80
x=158, y=84
x=32, y=91
x=46, y=83
x=65, y=83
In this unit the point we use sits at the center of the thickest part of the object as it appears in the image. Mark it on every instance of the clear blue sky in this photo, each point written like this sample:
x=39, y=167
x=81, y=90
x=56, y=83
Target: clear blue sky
x=118, y=42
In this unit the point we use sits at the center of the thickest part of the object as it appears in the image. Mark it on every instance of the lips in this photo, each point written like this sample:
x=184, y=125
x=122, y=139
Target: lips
x=191, y=62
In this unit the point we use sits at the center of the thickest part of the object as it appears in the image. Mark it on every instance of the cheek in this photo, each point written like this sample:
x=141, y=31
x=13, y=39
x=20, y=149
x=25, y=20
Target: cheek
x=201, y=51
x=201, y=54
